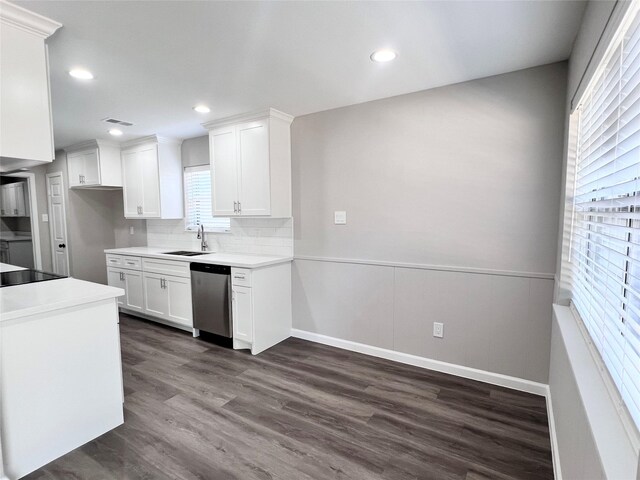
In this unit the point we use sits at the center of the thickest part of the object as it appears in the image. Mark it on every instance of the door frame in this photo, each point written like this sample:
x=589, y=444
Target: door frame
x=64, y=214
x=33, y=212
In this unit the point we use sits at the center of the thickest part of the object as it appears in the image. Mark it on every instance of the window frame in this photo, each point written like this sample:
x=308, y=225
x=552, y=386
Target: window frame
x=187, y=227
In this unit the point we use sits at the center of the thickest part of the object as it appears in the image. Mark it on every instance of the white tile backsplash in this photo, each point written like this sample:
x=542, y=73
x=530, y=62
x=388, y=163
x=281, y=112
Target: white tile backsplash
x=269, y=236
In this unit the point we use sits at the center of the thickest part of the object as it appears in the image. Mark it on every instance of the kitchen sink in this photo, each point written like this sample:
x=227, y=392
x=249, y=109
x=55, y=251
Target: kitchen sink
x=186, y=253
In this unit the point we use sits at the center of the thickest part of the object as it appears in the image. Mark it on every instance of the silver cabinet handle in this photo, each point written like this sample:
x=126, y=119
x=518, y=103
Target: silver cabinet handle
x=239, y=207
x=15, y=211
x=79, y=178
x=235, y=207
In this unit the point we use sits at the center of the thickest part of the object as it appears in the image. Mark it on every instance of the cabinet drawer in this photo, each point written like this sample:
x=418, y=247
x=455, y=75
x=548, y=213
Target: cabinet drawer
x=114, y=260
x=241, y=277
x=166, y=267
x=134, y=263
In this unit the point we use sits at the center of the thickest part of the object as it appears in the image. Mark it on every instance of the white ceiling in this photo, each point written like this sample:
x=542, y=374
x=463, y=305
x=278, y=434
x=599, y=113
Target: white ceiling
x=154, y=60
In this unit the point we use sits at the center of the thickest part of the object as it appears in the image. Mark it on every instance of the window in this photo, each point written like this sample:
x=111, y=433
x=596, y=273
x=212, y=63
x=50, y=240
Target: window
x=197, y=201
x=605, y=238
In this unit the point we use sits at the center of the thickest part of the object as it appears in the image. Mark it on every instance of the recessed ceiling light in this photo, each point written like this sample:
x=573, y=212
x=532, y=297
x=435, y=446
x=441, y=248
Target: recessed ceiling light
x=115, y=132
x=81, y=74
x=383, y=55
x=202, y=109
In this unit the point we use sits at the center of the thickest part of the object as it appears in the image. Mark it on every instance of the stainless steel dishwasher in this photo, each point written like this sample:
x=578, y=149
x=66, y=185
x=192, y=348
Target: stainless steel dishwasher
x=211, y=297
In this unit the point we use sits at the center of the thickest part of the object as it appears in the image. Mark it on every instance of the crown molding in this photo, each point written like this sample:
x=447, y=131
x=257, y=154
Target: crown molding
x=27, y=20
x=151, y=139
x=247, y=117
x=94, y=143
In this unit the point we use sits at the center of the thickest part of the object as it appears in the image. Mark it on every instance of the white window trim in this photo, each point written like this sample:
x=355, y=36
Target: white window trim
x=630, y=427
x=197, y=168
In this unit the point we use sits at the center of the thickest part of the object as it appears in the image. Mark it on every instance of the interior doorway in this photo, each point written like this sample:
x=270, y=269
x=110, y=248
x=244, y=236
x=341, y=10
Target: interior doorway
x=19, y=229
x=58, y=224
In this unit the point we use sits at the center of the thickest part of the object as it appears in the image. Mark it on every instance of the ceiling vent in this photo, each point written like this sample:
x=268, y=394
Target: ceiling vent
x=115, y=121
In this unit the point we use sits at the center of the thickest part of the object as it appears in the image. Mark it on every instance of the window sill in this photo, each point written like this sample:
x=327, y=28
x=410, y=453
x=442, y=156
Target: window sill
x=609, y=428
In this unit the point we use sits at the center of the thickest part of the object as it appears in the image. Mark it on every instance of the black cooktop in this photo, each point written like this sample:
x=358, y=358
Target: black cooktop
x=18, y=277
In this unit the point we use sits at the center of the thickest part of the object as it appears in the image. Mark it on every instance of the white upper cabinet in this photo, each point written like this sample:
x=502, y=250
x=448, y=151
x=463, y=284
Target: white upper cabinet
x=15, y=201
x=152, y=178
x=26, y=133
x=251, y=164
x=94, y=164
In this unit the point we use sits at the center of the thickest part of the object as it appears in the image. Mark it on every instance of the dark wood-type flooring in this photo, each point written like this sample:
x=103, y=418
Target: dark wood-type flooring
x=303, y=411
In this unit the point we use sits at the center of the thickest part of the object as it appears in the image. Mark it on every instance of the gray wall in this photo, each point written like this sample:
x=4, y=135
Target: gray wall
x=466, y=176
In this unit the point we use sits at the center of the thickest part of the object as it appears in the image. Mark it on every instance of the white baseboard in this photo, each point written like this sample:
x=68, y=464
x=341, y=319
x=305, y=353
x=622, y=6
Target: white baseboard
x=506, y=381
x=428, y=363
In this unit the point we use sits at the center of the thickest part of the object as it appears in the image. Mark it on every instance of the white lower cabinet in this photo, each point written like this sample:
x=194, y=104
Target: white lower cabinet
x=131, y=282
x=153, y=293
x=168, y=297
x=242, y=309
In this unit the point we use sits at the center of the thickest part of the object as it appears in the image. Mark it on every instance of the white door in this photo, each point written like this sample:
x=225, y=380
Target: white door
x=242, y=314
x=132, y=184
x=148, y=158
x=224, y=171
x=155, y=295
x=253, y=159
x=135, y=294
x=91, y=167
x=179, y=293
x=115, y=278
x=57, y=223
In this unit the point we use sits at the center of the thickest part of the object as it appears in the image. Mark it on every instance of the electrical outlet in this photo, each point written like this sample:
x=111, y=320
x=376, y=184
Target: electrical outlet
x=340, y=218
x=45, y=217
x=438, y=329
x=131, y=231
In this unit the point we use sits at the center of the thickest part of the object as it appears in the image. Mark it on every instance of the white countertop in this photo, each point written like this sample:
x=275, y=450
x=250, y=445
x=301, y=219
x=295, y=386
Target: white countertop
x=20, y=301
x=242, y=260
x=5, y=267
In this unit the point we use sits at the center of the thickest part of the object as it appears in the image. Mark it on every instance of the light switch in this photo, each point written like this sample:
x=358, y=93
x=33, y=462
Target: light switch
x=340, y=218
x=45, y=217
x=131, y=231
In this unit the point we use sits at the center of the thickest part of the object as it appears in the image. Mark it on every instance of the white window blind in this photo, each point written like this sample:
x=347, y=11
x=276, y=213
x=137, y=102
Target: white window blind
x=197, y=192
x=605, y=240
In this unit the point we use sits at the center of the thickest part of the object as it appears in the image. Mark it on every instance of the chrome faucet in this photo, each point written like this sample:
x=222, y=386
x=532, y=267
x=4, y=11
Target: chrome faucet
x=203, y=242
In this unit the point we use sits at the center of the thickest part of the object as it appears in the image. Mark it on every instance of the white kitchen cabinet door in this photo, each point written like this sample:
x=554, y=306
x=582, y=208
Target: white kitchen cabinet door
x=115, y=278
x=84, y=168
x=5, y=207
x=224, y=171
x=253, y=165
x=20, y=209
x=179, y=300
x=8, y=200
x=91, y=164
x=156, y=300
x=148, y=158
x=134, y=299
x=75, y=165
x=26, y=131
x=132, y=191
x=242, y=308
x=152, y=178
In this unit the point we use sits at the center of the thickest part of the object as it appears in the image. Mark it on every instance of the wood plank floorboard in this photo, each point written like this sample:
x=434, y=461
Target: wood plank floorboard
x=303, y=411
